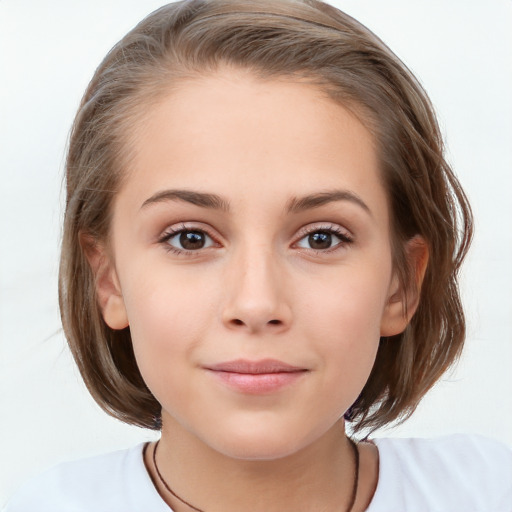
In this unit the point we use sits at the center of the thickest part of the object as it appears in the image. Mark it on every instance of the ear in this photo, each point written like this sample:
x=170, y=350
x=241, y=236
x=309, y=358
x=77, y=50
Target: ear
x=108, y=289
x=402, y=303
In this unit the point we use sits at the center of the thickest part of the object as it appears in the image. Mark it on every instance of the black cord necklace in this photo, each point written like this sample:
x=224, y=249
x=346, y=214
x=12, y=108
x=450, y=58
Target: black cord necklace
x=349, y=509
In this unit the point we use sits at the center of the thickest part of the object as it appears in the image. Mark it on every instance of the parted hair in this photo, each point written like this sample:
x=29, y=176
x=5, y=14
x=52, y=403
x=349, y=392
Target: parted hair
x=300, y=39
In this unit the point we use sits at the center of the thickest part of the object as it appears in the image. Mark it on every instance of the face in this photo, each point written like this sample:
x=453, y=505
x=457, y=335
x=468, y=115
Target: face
x=250, y=256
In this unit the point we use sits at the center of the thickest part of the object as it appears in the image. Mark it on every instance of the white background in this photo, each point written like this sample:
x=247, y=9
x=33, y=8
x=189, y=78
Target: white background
x=462, y=52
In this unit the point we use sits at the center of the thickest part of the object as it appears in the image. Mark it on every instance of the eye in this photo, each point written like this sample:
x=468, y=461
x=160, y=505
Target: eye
x=324, y=239
x=187, y=240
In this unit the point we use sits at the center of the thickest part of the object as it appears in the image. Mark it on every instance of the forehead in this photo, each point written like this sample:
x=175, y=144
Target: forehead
x=234, y=134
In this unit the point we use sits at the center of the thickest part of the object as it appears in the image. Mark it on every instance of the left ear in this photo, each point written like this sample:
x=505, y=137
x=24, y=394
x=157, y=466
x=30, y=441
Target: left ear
x=108, y=289
x=403, y=302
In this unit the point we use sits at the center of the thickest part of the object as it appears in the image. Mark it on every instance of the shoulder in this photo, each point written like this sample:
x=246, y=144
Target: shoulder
x=115, y=482
x=460, y=472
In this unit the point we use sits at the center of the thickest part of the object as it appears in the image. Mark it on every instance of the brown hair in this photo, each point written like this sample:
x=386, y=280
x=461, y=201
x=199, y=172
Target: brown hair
x=304, y=39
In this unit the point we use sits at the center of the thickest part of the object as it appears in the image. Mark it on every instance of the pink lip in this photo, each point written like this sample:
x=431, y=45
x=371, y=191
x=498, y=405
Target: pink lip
x=256, y=377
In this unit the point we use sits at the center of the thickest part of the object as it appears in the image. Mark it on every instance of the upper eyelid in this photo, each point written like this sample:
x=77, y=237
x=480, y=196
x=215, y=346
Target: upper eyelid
x=332, y=227
x=174, y=229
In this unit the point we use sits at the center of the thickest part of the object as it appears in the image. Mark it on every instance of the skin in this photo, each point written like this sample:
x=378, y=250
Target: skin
x=258, y=288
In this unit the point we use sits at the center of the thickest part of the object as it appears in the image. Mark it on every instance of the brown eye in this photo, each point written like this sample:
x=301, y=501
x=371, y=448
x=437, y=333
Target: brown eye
x=320, y=240
x=324, y=239
x=191, y=240
x=188, y=240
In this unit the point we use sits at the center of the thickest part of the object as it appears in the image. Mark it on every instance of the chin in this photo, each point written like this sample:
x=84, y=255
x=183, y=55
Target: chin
x=253, y=450
x=260, y=443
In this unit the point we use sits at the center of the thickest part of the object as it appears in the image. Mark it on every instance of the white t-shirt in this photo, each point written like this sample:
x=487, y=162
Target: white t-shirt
x=459, y=473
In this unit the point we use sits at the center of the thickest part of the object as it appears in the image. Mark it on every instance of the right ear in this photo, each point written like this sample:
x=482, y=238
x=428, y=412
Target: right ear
x=106, y=282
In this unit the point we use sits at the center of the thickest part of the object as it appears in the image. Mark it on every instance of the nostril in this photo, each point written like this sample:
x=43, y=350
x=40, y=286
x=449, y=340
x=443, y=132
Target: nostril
x=237, y=321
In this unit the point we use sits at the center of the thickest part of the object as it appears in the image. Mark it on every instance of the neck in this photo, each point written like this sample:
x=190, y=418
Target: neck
x=318, y=477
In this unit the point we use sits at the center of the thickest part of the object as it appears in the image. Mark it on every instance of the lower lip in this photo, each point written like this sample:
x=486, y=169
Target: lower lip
x=258, y=384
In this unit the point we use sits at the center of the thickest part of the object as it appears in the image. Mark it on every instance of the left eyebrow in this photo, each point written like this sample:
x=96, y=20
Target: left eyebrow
x=201, y=199
x=297, y=205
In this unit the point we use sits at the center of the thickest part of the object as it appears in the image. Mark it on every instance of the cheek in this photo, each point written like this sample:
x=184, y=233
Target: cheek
x=165, y=324
x=343, y=317
x=348, y=304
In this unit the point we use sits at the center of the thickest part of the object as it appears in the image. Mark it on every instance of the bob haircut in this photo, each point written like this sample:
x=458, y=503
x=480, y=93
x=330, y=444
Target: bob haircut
x=305, y=40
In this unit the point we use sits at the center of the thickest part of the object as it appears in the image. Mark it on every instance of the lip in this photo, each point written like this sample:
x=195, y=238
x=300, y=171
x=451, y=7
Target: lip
x=256, y=377
x=255, y=367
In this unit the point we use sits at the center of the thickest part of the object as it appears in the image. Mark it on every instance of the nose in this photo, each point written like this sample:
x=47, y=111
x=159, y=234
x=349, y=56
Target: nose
x=255, y=294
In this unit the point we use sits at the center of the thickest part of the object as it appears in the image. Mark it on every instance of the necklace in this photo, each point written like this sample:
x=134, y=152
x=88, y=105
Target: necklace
x=352, y=499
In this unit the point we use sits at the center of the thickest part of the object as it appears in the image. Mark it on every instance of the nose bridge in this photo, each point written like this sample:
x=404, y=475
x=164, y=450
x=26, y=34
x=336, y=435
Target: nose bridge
x=254, y=288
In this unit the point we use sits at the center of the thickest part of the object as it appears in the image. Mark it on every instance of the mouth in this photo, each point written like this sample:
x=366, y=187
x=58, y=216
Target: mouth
x=256, y=377
x=255, y=367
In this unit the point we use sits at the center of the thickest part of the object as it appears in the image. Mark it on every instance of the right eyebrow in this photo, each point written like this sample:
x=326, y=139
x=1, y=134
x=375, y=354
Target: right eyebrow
x=321, y=198
x=202, y=199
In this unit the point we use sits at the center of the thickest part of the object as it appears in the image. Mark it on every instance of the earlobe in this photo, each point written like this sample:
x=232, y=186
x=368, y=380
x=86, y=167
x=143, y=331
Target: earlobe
x=402, y=303
x=108, y=289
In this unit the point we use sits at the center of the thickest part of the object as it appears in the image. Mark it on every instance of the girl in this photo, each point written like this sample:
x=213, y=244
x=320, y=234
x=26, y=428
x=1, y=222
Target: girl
x=261, y=245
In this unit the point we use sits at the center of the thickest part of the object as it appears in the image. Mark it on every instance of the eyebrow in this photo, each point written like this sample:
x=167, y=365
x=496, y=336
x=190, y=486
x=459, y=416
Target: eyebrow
x=297, y=205
x=202, y=199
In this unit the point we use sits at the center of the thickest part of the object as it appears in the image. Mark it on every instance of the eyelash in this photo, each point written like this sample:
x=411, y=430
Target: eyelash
x=343, y=236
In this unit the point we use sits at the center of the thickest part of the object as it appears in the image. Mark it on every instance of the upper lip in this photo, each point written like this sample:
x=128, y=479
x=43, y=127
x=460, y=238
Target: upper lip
x=255, y=367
